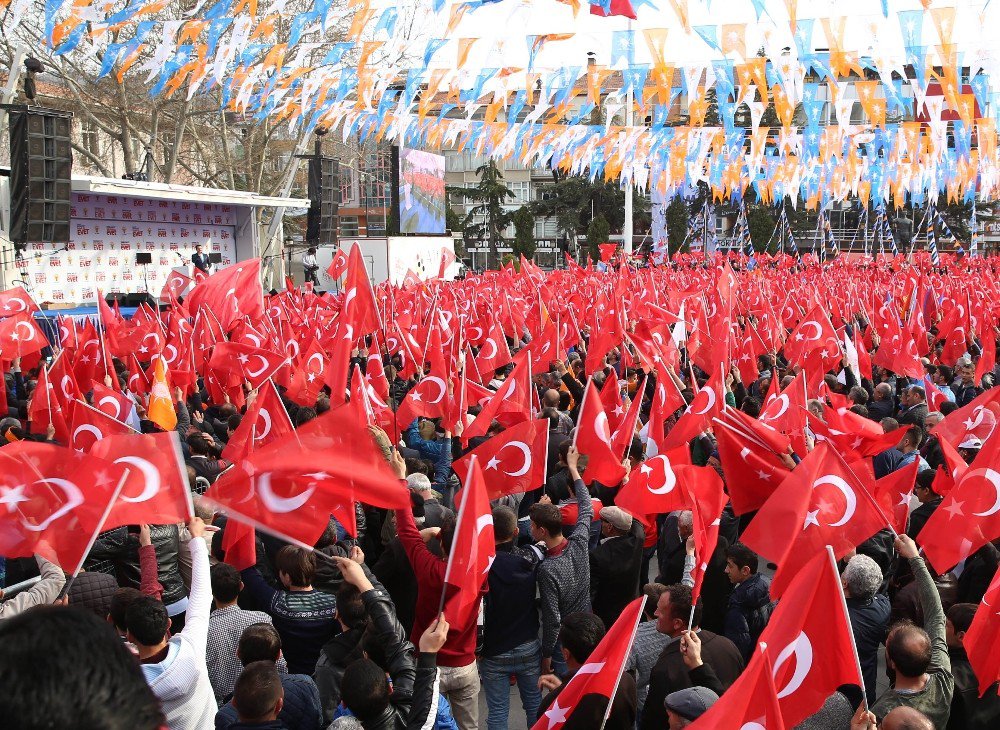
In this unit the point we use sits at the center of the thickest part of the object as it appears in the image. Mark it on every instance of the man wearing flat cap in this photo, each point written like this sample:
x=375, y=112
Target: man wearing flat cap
x=615, y=564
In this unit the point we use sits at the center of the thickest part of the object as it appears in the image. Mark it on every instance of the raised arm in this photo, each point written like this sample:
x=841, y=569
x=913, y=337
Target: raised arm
x=43, y=592
x=200, y=600
x=930, y=603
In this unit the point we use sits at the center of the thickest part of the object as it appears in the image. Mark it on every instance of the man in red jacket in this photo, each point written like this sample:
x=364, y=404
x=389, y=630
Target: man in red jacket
x=457, y=659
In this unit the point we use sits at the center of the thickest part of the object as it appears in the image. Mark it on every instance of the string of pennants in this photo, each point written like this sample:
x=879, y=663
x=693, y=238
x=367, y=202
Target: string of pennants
x=923, y=91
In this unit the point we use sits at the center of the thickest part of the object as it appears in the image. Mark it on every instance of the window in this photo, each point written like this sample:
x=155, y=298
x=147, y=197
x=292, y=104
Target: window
x=348, y=225
x=376, y=224
x=375, y=180
x=347, y=184
x=522, y=192
x=89, y=139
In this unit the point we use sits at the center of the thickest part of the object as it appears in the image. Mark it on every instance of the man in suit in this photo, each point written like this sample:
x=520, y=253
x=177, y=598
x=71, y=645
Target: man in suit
x=200, y=259
x=615, y=563
x=914, y=407
x=670, y=673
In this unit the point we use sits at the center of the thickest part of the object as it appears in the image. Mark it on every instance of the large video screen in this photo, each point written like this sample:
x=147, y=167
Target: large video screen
x=421, y=192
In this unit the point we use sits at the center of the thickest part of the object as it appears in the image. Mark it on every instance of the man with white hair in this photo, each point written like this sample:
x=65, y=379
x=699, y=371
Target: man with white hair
x=434, y=511
x=869, y=612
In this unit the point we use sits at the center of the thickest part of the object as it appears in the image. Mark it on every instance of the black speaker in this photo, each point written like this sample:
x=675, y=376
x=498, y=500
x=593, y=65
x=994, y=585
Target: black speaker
x=41, y=168
x=144, y=258
x=135, y=299
x=215, y=258
x=324, y=201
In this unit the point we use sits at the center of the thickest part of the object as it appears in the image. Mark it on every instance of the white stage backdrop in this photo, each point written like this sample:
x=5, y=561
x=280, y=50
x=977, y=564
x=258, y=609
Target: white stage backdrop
x=106, y=233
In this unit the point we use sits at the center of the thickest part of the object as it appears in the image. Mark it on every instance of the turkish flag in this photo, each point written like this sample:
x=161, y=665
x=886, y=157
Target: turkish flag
x=705, y=497
x=89, y=426
x=338, y=265
x=601, y=672
x=969, y=516
x=611, y=402
x=822, y=502
x=784, y=413
x=16, y=301
x=309, y=377
x=138, y=383
x=652, y=487
x=751, y=702
x=359, y=297
x=64, y=381
x=593, y=438
x=624, y=432
x=511, y=462
x=264, y=422
x=813, y=332
x=513, y=398
x=982, y=640
x=239, y=544
x=752, y=473
x=156, y=489
x=809, y=636
x=893, y=493
x=230, y=294
x=44, y=409
x=978, y=418
x=176, y=284
x=55, y=501
x=934, y=396
x=472, y=550
x=494, y=352
x=707, y=404
x=20, y=337
x=428, y=398
x=112, y=403
x=252, y=363
x=447, y=259
x=291, y=486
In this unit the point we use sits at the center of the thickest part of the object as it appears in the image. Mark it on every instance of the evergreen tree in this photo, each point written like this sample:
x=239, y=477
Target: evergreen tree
x=524, y=233
x=597, y=233
x=490, y=194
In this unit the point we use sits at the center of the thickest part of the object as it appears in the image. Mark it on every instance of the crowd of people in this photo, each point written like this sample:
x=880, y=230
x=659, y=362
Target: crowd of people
x=161, y=630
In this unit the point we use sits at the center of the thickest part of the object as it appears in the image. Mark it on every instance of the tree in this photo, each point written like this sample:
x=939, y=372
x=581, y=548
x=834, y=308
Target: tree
x=524, y=232
x=677, y=222
x=488, y=218
x=597, y=233
x=761, y=224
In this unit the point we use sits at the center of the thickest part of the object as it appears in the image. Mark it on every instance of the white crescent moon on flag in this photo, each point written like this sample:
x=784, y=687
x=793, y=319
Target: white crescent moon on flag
x=23, y=307
x=711, y=400
x=280, y=505
x=150, y=476
x=263, y=367
x=87, y=428
x=802, y=650
x=63, y=384
x=602, y=428
x=993, y=478
x=849, y=495
x=525, y=451
x=491, y=342
x=265, y=416
x=113, y=401
x=170, y=360
x=254, y=339
x=74, y=498
x=819, y=330
x=669, y=478
x=441, y=392
x=31, y=333
x=319, y=359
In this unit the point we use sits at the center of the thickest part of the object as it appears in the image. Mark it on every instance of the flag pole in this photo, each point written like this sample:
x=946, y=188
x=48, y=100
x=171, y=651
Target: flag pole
x=621, y=669
x=454, y=537
x=93, y=538
x=854, y=646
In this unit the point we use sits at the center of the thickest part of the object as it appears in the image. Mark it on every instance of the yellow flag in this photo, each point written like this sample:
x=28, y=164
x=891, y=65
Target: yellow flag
x=161, y=406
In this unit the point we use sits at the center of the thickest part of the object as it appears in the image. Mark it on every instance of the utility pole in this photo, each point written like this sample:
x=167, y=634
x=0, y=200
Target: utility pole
x=630, y=188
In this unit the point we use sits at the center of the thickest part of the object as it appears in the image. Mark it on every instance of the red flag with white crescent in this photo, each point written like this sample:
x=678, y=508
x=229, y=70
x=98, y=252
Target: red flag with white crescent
x=513, y=461
x=156, y=489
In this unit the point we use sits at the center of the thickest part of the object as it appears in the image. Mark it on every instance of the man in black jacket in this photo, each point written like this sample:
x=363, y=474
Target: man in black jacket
x=913, y=407
x=750, y=603
x=869, y=612
x=969, y=711
x=615, y=563
x=411, y=700
x=929, y=501
x=510, y=628
x=671, y=673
